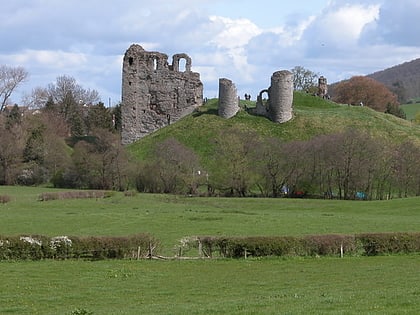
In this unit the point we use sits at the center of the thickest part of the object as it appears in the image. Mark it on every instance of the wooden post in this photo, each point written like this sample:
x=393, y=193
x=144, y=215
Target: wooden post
x=138, y=253
x=341, y=250
x=200, y=248
x=150, y=250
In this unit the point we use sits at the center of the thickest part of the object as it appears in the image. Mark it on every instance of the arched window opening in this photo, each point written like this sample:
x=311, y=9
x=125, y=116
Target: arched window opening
x=182, y=65
x=130, y=61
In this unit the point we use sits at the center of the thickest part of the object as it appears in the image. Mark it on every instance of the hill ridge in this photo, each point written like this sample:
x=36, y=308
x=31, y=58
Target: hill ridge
x=402, y=79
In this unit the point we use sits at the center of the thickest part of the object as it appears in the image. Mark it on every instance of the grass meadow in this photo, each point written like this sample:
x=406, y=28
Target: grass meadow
x=326, y=285
x=411, y=110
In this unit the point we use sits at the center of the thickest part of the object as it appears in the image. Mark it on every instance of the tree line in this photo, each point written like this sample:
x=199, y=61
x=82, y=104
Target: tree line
x=348, y=165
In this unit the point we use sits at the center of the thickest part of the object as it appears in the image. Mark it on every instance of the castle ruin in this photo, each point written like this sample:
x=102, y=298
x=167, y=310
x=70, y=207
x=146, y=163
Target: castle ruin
x=228, y=99
x=154, y=93
x=278, y=104
x=322, y=87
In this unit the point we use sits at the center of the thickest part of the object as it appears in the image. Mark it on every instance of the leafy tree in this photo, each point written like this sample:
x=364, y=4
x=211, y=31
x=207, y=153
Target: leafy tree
x=14, y=116
x=98, y=117
x=10, y=79
x=366, y=91
x=395, y=110
x=304, y=79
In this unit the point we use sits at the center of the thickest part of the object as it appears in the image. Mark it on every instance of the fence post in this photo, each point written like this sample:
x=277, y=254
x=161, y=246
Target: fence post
x=200, y=248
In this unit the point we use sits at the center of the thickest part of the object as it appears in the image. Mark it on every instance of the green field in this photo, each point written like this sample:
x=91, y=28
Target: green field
x=170, y=217
x=368, y=285
x=411, y=110
x=327, y=285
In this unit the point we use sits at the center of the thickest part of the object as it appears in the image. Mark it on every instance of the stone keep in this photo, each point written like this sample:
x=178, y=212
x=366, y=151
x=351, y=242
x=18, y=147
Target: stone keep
x=154, y=93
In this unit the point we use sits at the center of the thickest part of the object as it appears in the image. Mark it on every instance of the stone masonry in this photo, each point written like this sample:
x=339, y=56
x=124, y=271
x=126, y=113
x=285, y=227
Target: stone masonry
x=154, y=93
x=278, y=106
x=322, y=87
x=228, y=99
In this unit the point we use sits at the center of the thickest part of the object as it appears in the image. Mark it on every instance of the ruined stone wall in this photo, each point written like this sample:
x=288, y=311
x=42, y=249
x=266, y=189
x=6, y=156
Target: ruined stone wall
x=281, y=96
x=228, y=99
x=154, y=93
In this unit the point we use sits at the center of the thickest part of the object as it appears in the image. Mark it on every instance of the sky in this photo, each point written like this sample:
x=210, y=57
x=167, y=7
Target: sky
x=244, y=41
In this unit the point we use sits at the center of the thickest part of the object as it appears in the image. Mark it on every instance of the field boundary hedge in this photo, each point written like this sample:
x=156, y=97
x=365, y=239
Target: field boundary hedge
x=36, y=247
x=141, y=246
x=366, y=244
x=75, y=194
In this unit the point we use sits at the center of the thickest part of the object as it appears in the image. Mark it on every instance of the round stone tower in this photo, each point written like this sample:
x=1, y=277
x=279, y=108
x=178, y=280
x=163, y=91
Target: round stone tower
x=281, y=96
x=228, y=99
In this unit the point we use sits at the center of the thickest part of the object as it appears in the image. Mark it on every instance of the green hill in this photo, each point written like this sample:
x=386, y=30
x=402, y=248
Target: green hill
x=312, y=116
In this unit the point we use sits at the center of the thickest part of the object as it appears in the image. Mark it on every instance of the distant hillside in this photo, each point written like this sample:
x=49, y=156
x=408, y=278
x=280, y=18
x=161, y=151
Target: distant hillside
x=312, y=116
x=403, y=79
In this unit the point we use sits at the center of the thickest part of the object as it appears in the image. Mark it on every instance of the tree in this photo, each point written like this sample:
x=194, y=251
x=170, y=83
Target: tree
x=100, y=162
x=172, y=168
x=407, y=169
x=98, y=116
x=10, y=78
x=304, y=79
x=12, y=138
x=234, y=154
x=66, y=86
x=366, y=91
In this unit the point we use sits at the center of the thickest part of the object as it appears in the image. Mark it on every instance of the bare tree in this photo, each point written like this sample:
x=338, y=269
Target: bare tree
x=304, y=79
x=234, y=155
x=66, y=85
x=10, y=78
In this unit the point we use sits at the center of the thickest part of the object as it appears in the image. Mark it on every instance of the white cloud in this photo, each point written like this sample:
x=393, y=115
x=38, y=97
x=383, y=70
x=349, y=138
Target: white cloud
x=338, y=28
x=87, y=39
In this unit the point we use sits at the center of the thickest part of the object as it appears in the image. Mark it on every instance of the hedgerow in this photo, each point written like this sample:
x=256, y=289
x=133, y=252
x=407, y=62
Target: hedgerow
x=35, y=247
x=312, y=245
x=75, y=194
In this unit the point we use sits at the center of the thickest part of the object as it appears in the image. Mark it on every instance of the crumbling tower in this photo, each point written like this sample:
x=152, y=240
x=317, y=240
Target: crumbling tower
x=278, y=106
x=228, y=99
x=154, y=93
x=322, y=87
x=281, y=96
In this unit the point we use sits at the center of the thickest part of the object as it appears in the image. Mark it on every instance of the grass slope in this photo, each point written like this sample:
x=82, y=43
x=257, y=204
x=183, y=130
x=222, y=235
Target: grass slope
x=312, y=116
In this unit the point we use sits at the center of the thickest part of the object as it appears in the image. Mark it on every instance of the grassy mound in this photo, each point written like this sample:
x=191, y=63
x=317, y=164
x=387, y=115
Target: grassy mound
x=312, y=116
